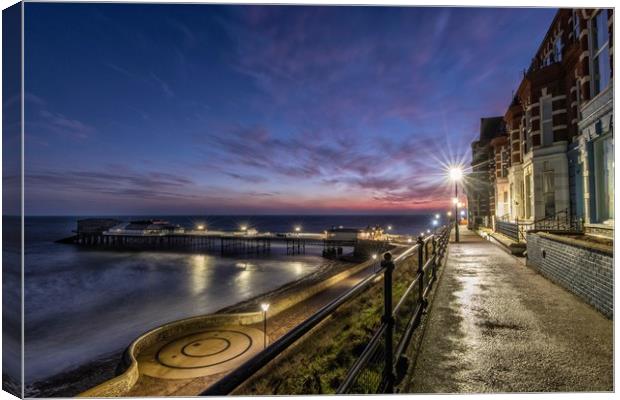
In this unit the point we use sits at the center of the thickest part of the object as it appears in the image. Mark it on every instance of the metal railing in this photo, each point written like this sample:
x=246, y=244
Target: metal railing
x=561, y=221
x=382, y=362
x=510, y=229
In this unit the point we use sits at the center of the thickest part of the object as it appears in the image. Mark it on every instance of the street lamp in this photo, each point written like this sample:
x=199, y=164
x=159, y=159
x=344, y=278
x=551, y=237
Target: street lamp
x=264, y=307
x=456, y=174
x=374, y=257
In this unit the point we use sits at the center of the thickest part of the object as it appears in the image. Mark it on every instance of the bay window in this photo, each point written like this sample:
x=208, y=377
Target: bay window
x=601, y=69
x=546, y=116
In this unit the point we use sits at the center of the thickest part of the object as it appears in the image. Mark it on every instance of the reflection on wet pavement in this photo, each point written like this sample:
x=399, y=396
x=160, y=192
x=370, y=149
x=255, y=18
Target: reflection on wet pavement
x=497, y=326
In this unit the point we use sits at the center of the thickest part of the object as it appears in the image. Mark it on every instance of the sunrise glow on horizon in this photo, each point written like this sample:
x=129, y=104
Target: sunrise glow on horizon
x=192, y=109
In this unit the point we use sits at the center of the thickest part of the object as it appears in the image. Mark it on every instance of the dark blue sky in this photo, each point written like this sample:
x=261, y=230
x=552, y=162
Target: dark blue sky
x=264, y=109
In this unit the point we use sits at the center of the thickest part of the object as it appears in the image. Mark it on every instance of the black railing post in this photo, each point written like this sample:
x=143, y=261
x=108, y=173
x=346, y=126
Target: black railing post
x=434, y=258
x=388, y=320
x=420, y=271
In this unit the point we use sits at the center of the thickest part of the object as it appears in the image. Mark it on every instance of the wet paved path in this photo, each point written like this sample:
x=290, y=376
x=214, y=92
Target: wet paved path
x=496, y=325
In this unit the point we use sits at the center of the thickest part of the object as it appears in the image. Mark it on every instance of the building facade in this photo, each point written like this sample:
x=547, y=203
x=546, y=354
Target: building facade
x=480, y=182
x=558, y=151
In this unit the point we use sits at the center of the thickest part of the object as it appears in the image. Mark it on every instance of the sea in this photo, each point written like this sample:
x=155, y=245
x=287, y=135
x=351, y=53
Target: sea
x=82, y=304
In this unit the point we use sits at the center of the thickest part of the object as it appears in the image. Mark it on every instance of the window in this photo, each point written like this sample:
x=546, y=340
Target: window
x=512, y=198
x=528, y=130
x=600, y=53
x=557, y=49
x=578, y=97
x=528, y=196
x=549, y=192
x=576, y=31
x=604, y=174
x=546, y=113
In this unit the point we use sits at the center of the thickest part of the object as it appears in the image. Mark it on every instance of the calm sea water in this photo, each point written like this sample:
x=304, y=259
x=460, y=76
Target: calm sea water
x=81, y=304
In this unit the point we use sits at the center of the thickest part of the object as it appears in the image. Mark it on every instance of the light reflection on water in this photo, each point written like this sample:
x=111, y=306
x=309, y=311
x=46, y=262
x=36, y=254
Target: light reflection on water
x=81, y=304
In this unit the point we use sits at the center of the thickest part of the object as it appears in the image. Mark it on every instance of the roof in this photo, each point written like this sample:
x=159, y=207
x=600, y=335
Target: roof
x=344, y=230
x=491, y=127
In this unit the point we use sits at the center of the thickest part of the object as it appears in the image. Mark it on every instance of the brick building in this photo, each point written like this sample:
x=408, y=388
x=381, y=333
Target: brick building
x=558, y=153
x=479, y=183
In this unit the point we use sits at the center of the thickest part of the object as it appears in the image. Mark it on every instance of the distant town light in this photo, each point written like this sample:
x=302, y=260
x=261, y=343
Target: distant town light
x=244, y=227
x=200, y=227
x=389, y=227
x=449, y=213
x=435, y=222
x=462, y=212
x=374, y=256
x=297, y=228
x=409, y=240
x=459, y=204
x=456, y=173
x=421, y=233
x=428, y=231
x=436, y=216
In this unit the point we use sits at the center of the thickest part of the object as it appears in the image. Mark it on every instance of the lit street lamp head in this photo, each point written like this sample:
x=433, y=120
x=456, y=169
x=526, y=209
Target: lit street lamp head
x=374, y=256
x=264, y=307
x=455, y=200
x=455, y=173
x=297, y=228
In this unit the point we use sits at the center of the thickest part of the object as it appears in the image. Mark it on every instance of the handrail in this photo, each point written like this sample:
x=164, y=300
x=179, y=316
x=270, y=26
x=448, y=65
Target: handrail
x=235, y=378
x=241, y=374
x=364, y=357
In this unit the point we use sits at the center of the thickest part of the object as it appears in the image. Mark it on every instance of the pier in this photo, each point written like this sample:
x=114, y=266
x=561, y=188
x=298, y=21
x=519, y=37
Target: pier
x=161, y=235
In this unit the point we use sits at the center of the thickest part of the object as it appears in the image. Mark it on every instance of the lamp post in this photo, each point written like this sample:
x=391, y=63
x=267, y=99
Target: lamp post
x=264, y=307
x=456, y=174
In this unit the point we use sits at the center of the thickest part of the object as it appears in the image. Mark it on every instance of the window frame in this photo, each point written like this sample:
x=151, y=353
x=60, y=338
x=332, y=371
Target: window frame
x=548, y=98
x=595, y=52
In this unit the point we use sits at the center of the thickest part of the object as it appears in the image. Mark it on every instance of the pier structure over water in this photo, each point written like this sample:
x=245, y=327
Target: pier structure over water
x=161, y=235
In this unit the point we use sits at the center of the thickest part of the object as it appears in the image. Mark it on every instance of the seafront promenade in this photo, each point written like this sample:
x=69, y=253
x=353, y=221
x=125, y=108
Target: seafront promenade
x=496, y=325
x=492, y=325
x=160, y=375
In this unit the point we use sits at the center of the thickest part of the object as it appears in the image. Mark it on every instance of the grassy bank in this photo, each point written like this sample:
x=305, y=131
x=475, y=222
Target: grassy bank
x=318, y=363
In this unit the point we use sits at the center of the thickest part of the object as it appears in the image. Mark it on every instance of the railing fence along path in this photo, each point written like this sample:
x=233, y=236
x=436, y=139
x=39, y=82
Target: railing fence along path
x=382, y=363
x=562, y=221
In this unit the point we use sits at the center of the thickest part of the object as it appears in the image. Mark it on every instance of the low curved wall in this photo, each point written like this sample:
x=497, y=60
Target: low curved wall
x=121, y=384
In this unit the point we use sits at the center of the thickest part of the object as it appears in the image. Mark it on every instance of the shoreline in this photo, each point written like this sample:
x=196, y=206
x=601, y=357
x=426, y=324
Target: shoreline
x=71, y=382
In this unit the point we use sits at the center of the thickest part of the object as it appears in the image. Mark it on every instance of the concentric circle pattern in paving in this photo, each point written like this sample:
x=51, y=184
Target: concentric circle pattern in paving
x=201, y=353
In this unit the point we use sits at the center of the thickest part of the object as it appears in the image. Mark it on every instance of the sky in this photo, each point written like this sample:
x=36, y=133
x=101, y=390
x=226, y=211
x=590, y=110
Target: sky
x=220, y=109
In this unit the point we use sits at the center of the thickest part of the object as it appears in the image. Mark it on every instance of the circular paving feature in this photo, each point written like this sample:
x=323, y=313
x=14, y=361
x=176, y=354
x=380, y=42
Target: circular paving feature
x=201, y=353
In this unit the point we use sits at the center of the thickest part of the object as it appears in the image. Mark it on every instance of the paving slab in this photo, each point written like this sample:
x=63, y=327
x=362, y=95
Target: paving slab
x=496, y=325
